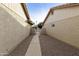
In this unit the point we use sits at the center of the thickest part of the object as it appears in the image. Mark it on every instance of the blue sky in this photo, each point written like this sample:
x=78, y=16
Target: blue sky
x=38, y=11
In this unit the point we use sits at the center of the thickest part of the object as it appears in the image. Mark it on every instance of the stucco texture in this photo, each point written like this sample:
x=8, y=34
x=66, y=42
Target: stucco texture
x=12, y=30
x=66, y=27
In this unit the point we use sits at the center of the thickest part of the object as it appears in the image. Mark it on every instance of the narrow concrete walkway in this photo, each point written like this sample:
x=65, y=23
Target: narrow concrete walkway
x=34, y=47
x=41, y=44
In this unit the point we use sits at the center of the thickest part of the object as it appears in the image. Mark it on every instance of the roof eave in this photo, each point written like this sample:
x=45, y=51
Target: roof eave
x=50, y=11
x=26, y=13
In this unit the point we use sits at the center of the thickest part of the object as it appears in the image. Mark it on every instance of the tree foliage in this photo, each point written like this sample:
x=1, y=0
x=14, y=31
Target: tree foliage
x=40, y=25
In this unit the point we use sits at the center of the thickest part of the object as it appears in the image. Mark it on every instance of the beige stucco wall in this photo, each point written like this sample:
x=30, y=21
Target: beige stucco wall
x=66, y=26
x=61, y=14
x=17, y=8
x=12, y=30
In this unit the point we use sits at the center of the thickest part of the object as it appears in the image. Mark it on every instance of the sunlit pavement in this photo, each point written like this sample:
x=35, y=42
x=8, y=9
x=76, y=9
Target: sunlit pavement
x=43, y=45
x=34, y=47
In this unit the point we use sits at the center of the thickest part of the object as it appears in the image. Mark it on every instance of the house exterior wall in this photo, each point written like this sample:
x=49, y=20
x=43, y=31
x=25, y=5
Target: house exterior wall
x=17, y=8
x=61, y=14
x=66, y=27
x=12, y=30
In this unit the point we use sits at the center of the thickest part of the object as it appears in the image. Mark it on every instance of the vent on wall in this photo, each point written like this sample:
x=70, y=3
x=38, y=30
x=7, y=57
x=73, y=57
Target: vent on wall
x=53, y=25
